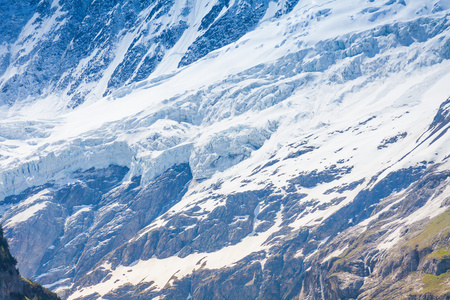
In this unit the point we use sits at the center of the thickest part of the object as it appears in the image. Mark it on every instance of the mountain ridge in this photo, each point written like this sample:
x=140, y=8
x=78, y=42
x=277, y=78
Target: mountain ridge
x=296, y=158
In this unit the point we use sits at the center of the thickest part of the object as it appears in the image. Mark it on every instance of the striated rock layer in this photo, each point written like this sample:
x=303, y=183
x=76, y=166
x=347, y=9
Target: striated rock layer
x=227, y=149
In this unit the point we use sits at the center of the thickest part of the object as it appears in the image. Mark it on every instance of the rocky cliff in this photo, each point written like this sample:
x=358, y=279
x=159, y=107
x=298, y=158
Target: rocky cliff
x=227, y=149
x=12, y=285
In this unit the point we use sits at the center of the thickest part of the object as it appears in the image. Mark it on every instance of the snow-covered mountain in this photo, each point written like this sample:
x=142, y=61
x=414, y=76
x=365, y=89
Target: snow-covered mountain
x=227, y=149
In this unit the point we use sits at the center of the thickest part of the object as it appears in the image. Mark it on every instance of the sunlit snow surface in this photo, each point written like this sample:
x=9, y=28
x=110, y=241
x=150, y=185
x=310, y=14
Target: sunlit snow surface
x=335, y=78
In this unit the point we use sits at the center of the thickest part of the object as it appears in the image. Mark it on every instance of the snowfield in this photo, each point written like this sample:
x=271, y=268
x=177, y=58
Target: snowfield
x=305, y=111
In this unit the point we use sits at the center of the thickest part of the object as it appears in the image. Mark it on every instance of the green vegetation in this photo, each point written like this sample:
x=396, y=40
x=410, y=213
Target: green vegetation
x=354, y=248
x=437, y=229
x=35, y=291
x=335, y=274
x=436, y=285
x=22, y=288
x=433, y=234
x=441, y=253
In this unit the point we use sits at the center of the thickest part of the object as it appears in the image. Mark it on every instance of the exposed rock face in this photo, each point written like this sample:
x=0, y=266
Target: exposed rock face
x=404, y=261
x=82, y=218
x=227, y=149
x=71, y=44
x=12, y=285
x=415, y=267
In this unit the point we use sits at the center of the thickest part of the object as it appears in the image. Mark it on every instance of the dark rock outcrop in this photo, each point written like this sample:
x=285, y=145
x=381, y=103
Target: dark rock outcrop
x=12, y=285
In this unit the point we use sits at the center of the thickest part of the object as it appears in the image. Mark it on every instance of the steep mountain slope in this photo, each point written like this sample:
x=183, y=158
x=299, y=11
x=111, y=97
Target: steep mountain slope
x=228, y=150
x=12, y=285
x=85, y=49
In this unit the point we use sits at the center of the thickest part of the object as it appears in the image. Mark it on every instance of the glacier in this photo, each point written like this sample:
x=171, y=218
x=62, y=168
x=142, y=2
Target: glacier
x=226, y=149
